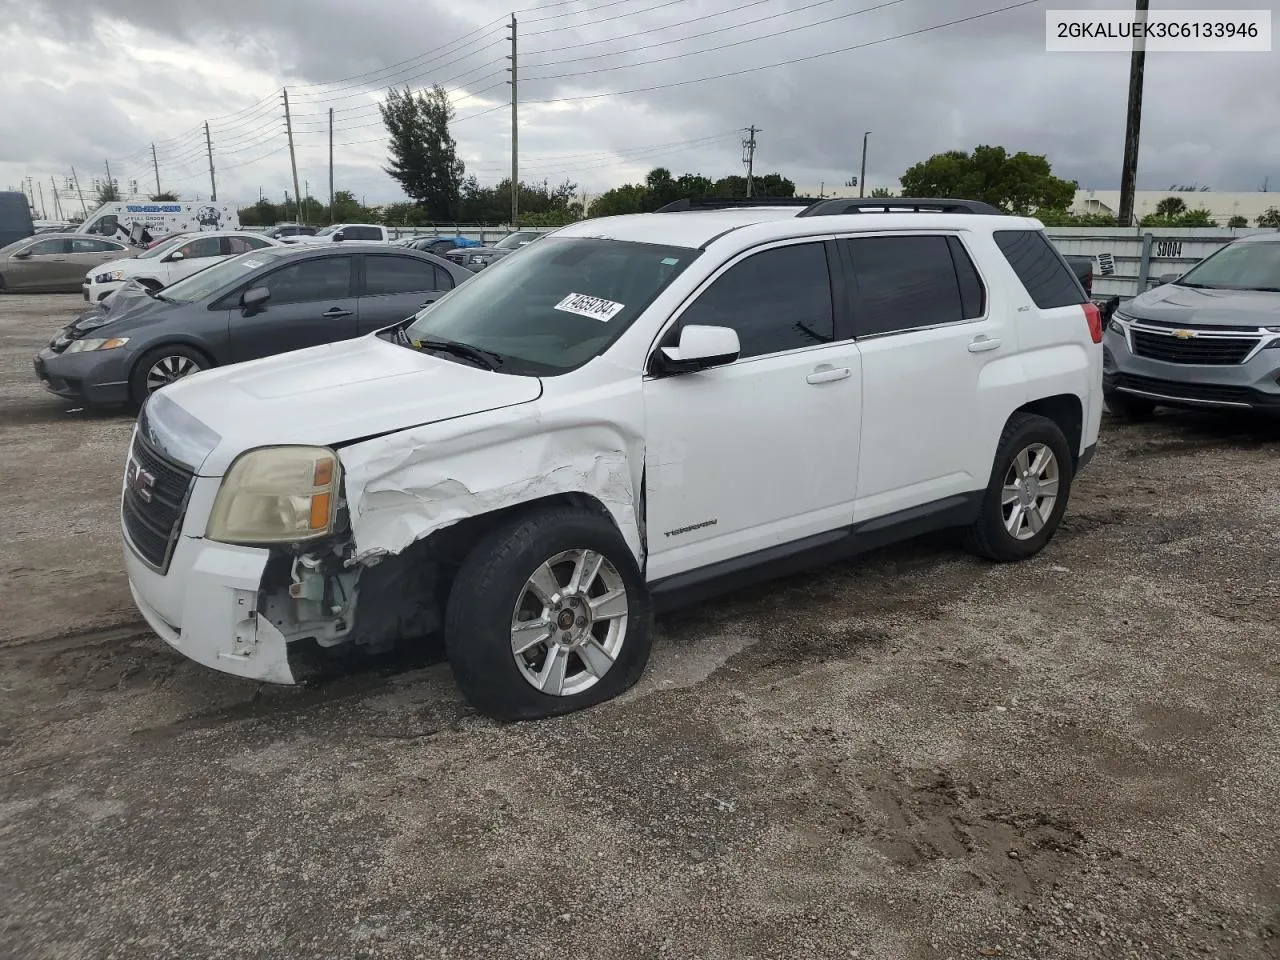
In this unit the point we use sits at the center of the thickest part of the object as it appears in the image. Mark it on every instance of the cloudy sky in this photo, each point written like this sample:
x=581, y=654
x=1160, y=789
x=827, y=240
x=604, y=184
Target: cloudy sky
x=609, y=89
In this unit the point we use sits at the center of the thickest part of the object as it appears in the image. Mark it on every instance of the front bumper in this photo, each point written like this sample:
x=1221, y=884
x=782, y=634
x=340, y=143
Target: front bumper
x=1253, y=385
x=95, y=378
x=94, y=292
x=206, y=608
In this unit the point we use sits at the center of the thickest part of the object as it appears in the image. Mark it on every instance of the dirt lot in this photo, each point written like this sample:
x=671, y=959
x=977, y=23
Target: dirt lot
x=918, y=755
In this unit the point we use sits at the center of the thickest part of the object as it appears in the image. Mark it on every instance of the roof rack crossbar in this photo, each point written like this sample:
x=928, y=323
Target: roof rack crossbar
x=728, y=203
x=837, y=207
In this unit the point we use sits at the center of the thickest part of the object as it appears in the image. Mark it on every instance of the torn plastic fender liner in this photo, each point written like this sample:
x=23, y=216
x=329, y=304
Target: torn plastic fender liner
x=405, y=486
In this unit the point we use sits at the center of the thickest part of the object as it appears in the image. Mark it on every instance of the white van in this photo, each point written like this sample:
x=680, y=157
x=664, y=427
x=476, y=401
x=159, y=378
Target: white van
x=141, y=222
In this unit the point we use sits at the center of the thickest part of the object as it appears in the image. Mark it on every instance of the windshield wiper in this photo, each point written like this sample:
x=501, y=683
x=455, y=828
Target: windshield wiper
x=157, y=295
x=486, y=358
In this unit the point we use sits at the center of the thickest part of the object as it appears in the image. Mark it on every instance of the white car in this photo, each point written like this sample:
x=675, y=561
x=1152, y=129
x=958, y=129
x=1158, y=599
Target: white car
x=636, y=412
x=367, y=232
x=170, y=261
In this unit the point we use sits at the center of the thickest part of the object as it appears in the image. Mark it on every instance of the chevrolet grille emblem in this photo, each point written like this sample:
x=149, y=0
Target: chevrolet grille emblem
x=1184, y=334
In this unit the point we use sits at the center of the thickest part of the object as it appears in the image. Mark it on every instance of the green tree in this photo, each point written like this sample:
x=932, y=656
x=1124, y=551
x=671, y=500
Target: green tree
x=166, y=196
x=628, y=198
x=108, y=192
x=1199, y=217
x=881, y=193
x=1269, y=218
x=1238, y=221
x=1020, y=183
x=1171, y=207
x=423, y=155
x=1065, y=218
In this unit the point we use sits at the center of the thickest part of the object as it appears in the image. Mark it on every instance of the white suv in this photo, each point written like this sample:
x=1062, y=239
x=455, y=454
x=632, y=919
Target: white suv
x=634, y=413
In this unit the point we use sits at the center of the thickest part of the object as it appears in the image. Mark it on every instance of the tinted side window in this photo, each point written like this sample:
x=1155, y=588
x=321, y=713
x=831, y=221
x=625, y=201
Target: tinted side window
x=973, y=297
x=1040, y=268
x=777, y=300
x=320, y=278
x=43, y=248
x=444, y=281
x=86, y=245
x=201, y=247
x=361, y=233
x=383, y=275
x=903, y=283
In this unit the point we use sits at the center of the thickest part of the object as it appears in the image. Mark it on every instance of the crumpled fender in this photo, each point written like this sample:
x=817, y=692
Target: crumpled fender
x=406, y=486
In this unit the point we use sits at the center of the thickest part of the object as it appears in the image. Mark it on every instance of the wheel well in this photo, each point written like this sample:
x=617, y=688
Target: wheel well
x=1066, y=411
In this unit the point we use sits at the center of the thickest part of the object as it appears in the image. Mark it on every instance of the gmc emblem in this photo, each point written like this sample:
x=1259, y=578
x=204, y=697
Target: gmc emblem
x=139, y=480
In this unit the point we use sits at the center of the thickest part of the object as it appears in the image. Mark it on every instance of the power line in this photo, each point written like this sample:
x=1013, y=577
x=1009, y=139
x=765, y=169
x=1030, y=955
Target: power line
x=722, y=46
x=784, y=63
x=609, y=19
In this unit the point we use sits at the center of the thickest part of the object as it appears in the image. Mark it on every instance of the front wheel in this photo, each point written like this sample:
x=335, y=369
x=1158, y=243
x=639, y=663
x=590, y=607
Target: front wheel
x=1027, y=494
x=162, y=366
x=547, y=615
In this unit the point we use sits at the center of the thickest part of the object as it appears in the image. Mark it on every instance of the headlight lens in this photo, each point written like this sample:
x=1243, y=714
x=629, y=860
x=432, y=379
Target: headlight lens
x=477, y=259
x=277, y=495
x=91, y=343
x=109, y=277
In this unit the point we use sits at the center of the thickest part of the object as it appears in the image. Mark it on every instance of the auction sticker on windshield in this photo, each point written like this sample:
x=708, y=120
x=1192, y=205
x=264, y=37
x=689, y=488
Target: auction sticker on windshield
x=595, y=307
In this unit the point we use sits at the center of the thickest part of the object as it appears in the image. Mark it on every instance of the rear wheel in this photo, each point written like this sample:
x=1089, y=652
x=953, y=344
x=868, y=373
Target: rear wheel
x=1027, y=494
x=1128, y=407
x=162, y=366
x=547, y=615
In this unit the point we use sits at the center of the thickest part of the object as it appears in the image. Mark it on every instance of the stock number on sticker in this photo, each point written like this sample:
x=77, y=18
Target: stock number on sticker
x=594, y=307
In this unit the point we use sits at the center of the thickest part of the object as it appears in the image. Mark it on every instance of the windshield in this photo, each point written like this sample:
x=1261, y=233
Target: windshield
x=1238, y=266
x=557, y=305
x=214, y=278
x=160, y=249
x=514, y=240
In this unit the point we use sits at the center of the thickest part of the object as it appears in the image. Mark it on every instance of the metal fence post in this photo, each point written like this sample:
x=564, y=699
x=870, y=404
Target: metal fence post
x=1144, y=266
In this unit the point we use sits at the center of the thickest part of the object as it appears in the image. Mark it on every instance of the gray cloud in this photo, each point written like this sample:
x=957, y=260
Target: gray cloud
x=1208, y=118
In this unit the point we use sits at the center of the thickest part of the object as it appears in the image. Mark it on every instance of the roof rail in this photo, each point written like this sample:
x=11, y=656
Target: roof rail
x=725, y=203
x=837, y=207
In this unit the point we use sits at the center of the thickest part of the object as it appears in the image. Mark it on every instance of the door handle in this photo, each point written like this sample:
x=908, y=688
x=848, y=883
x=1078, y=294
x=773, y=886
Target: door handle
x=982, y=343
x=827, y=373
x=59, y=259
x=335, y=313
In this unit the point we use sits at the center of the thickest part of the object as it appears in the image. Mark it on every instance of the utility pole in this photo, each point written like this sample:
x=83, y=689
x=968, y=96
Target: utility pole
x=155, y=165
x=44, y=214
x=749, y=154
x=110, y=183
x=1133, y=121
x=862, y=174
x=332, y=219
x=213, y=182
x=293, y=158
x=515, y=135
x=57, y=203
x=76, y=181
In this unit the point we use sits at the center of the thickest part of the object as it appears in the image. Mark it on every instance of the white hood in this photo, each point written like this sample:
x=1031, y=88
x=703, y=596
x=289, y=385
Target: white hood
x=338, y=392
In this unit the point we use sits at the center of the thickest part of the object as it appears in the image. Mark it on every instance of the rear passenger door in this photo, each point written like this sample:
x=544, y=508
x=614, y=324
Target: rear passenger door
x=310, y=304
x=396, y=287
x=197, y=254
x=940, y=369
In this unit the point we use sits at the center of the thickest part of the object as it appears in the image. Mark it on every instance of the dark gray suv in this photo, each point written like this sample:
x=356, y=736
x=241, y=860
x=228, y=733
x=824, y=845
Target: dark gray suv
x=257, y=304
x=1208, y=340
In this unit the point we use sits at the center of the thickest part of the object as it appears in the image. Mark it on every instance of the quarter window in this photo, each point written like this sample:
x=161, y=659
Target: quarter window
x=1041, y=268
x=904, y=283
x=776, y=300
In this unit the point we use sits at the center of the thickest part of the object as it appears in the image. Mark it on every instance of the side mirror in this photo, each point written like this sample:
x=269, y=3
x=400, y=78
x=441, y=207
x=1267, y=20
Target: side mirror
x=175, y=256
x=699, y=349
x=339, y=236
x=1168, y=277
x=254, y=297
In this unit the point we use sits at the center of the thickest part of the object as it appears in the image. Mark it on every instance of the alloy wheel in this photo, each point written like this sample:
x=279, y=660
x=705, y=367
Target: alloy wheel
x=168, y=369
x=1030, y=491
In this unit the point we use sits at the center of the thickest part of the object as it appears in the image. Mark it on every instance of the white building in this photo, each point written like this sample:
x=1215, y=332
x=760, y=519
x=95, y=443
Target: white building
x=1222, y=206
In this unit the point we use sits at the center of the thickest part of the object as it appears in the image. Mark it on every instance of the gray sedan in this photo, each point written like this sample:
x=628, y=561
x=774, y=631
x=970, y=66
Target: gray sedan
x=257, y=304
x=56, y=262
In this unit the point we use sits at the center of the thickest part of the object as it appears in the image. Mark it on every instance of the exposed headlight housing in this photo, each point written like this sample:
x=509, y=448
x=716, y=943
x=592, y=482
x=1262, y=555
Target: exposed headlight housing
x=110, y=276
x=95, y=343
x=277, y=495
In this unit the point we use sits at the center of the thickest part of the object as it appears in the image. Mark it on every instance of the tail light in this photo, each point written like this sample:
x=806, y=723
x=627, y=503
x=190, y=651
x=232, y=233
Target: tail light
x=1094, y=315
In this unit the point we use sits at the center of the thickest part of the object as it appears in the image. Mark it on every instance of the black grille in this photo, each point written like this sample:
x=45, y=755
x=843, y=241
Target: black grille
x=1218, y=351
x=155, y=495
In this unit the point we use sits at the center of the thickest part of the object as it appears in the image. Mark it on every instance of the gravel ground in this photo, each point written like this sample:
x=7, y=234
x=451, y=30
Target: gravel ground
x=917, y=755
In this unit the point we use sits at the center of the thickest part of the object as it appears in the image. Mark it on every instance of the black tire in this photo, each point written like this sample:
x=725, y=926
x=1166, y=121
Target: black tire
x=138, y=389
x=988, y=536
x=484, y=598
x=1128, y=407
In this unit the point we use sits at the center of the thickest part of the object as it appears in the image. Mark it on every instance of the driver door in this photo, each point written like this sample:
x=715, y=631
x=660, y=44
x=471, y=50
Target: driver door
x=311, y=303
x=762, y=451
